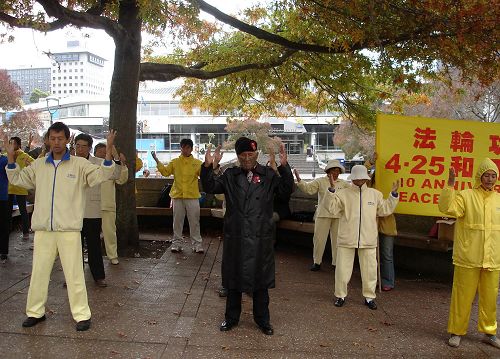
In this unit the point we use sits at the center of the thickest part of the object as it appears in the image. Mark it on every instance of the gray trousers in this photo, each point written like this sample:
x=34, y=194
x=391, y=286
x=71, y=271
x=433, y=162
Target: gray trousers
x=181, y=208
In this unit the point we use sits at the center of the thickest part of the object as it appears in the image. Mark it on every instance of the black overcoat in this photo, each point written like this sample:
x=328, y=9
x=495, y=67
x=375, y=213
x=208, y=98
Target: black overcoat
x=248, y=257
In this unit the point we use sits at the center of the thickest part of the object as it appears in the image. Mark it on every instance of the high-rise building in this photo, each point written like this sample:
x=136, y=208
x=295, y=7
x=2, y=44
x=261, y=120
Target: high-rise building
x=29, y=79
x=77, y=71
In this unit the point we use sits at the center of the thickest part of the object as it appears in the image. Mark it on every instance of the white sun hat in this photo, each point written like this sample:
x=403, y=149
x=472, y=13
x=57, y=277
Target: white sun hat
x=333, y=164
x=358, y=172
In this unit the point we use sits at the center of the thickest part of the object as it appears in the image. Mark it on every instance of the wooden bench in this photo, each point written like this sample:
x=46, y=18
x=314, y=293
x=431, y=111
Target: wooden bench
x=304, y=227
x=414, y=240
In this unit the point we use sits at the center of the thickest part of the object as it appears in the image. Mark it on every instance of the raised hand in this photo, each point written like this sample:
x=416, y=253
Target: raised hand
x=30, y=139
x=209, y=158
x=331, y=179
x=395, y=187
x=451, y=177
x=217, y=157
x=272, y=158
x=9, y=148
x=153, y=154
x=283, y=155
x=110, y=139
x=123, y=159
x=297, y=174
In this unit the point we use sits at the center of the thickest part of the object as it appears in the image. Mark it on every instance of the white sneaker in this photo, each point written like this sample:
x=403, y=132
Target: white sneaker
x=114, y=261
x=454, y=341
x=198, y=248
x=175, y=248
x=492, y=340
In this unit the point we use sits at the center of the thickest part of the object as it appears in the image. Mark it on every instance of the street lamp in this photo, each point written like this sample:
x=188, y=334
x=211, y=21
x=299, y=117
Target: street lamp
x=52, y=106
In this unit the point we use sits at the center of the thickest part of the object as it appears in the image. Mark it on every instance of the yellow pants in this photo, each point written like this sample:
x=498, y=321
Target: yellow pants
x=109, y=233
x=343, y=272
x=466, y=282
x=322, y=227
x=46, y=247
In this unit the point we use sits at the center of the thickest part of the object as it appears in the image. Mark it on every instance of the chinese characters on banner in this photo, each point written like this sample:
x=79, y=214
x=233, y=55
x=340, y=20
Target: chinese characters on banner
x=418, y=152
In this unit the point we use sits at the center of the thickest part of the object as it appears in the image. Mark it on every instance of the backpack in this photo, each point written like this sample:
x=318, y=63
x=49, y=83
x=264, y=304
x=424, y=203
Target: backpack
x=164, y=200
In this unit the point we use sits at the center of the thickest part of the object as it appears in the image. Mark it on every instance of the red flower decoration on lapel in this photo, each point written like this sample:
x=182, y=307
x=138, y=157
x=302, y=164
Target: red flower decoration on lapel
x=256, y=179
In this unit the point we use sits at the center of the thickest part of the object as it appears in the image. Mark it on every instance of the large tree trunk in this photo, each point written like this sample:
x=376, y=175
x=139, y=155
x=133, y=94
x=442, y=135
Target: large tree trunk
x=123, y=108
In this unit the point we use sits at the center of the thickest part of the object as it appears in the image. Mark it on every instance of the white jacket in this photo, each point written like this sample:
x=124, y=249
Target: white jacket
x=358, y=209
x=320, y=186
x=108, y=191
x=60, y=191
x=94, y=202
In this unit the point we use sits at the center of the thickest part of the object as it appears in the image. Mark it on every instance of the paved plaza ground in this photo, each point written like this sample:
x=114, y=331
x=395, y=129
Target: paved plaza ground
x=169, y=308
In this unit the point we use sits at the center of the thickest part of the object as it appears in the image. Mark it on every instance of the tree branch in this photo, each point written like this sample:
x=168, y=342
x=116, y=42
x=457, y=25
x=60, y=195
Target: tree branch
x=90, y=18
x=169, y=72
x=334, y=48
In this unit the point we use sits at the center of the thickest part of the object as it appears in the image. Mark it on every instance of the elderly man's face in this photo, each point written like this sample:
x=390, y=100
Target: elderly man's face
x=248, y=160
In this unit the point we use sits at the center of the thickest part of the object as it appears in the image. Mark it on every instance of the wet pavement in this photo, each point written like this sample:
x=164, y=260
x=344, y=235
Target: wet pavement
x=170, y=308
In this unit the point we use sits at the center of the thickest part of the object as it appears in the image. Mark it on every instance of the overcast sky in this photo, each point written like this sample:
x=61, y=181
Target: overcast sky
x=29, y=46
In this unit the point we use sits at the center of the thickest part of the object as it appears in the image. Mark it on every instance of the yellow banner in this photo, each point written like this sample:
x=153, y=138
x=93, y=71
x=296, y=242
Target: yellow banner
x=418, y=152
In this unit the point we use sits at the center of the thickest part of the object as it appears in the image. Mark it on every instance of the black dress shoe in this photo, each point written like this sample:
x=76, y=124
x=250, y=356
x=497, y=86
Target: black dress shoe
x=32, y=321
x=371, y=304
x=83, y=325
x=266, y=329
x=315, y=267
x=339, y=302
x=227, y=326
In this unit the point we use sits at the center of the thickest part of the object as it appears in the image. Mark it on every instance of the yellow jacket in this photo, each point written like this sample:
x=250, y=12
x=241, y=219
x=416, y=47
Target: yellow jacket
x=320, y=186
x=186, y=171
x=23, y=160
x=477, y=229
x=60, y=191
x=358, y=209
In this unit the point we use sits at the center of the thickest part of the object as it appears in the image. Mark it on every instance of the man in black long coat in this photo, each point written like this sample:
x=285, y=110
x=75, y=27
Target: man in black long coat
x=248, y=258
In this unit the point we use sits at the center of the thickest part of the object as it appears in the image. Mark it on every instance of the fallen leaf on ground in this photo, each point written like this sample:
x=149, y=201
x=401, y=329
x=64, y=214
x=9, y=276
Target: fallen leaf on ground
x=114, y=352
x=121, y=334
x=118, y=304
x=152, y=322
x=187, y=293
x=136, y=282
x=371, y=329
x=225, y=347
x=323, y=345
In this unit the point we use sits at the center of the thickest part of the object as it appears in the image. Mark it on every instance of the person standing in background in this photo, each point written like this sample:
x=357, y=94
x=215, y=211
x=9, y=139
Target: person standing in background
x=91, y=230
x=185, y=194
x=108, y=201
x=5, y=211
x=476, y=252
x=324, y=222
x=18, y=194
